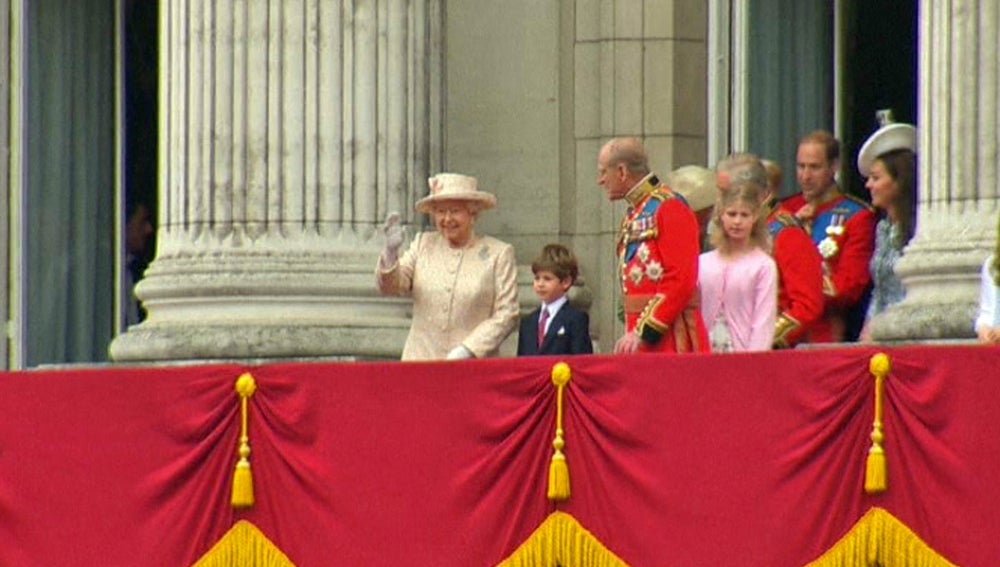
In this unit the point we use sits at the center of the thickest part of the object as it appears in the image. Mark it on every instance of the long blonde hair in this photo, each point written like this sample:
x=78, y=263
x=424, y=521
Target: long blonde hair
x=748, y=194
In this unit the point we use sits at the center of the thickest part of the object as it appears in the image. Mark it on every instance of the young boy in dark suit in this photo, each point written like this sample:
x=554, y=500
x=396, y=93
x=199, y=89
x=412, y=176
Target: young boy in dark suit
x=556, y=327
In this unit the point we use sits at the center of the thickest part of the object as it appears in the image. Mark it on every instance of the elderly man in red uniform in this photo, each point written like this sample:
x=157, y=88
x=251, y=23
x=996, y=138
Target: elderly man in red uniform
x=842, y=228
x=800, y=272
x=658, y=255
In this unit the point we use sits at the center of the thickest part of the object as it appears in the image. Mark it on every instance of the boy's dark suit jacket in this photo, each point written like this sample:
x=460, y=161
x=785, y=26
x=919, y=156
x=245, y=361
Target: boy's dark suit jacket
x=569, y=333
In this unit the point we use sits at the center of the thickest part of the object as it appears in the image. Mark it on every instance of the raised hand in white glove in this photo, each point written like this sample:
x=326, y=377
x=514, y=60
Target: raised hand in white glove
x=459, y=353
x=394, y=234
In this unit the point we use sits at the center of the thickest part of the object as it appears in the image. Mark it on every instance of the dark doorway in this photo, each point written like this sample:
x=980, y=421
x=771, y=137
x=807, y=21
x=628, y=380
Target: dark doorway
x=141, y=77
x=880, y=71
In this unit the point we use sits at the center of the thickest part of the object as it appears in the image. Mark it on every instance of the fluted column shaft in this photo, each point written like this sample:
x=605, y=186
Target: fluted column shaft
x=959, y=186
x=288, y=129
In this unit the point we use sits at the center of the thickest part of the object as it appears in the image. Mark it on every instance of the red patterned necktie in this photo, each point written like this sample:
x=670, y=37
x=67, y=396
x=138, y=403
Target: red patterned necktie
x=543, y=317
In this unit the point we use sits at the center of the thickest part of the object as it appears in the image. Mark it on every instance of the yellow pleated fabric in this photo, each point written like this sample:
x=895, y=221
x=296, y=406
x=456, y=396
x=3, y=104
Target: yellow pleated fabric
x=880, y=539
x=245, y=546
x=562, y=541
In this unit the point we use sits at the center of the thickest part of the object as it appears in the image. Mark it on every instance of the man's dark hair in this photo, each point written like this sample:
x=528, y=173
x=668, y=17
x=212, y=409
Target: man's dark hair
x=831, y=146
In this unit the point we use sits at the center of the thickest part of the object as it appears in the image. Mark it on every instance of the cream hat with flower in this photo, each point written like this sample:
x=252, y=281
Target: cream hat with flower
x=892, y=136
x=455, y=187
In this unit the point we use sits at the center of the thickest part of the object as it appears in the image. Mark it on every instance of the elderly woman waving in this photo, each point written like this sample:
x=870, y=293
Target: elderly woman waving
x=463, y=285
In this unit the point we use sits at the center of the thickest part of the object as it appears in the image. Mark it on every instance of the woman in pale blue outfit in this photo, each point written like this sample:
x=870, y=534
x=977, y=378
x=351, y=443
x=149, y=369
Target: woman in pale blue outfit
x=888, y=162
x=987, y=324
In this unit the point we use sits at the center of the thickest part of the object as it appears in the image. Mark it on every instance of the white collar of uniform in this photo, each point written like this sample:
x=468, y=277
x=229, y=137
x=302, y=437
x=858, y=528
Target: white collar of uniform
x=555, y=306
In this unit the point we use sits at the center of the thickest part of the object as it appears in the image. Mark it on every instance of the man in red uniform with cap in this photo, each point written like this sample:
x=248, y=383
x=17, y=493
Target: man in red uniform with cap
x=658, y=252
x=842, y=228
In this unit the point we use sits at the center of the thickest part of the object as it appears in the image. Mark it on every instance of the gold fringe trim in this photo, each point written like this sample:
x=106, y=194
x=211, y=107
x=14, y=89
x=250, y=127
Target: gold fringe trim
x=880, y=539
x=559, y=469
x=783, y=327
x=246, y=546
x=562, y=541
x=876, y=477
x=242, y=496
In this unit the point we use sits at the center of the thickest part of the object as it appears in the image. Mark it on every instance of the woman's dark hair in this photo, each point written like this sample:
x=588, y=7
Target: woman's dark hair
x=901, y=165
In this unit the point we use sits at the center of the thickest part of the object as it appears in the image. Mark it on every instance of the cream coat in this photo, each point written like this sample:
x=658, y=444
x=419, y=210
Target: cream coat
x=464, y=296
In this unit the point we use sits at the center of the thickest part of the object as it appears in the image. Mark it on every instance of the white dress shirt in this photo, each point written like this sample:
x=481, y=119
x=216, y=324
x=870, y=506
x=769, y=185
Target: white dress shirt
x=988, y=316
x=552, y=308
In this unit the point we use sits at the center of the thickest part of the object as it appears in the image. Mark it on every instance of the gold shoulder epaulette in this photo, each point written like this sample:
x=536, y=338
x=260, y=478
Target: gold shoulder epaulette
x=663, y=193
x=864, y=204
x=785, y=218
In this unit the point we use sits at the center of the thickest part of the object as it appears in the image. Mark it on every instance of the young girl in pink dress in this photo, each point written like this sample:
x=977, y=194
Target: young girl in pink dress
x=738, y=279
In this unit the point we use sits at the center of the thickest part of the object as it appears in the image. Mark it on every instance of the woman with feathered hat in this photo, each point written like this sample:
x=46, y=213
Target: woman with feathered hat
x=888, y=162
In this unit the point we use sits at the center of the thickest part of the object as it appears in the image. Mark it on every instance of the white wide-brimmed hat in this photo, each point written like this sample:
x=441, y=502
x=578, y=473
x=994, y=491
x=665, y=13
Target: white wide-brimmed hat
x=894, y=136
x=696, y=184
x=455, y=187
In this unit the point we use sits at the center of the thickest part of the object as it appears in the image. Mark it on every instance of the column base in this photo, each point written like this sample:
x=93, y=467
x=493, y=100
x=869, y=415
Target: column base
x=940, y=271
x=292, y=299
x=159, y=342
x=910, y=322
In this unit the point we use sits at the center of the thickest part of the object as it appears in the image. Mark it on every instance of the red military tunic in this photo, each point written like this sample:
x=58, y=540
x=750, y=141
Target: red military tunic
x=658, y=252
x=800, y=280
x=843, y=231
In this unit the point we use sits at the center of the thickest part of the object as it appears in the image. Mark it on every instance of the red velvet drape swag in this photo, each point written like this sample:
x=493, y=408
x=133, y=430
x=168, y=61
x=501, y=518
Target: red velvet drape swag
x=741, y=460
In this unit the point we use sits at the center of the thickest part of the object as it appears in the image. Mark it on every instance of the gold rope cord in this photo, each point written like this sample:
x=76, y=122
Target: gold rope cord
x=242, y=496
x=558, y=469
x=875, y=466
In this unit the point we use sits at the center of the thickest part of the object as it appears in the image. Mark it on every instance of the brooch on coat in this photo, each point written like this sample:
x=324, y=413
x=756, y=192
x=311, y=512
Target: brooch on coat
x=654, y=271
x=635, y=274
x=828, y=247
x=644, y=267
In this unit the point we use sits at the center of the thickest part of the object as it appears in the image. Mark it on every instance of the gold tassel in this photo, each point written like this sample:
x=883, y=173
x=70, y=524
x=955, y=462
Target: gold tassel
x=875, y=468
x=558, y=477
x=242, y=485
x=559, y=468
x=242, y=496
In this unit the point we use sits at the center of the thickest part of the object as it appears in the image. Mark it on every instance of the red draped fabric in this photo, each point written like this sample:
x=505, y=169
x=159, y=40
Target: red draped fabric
x=695, y=460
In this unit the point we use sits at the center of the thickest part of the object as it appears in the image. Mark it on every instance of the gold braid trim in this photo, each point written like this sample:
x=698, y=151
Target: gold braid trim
x=561, y=540
x=246, y=546
x=829, y=289
x=783, y=326
x=649, y=328
x=880, y=539
x=643, y=189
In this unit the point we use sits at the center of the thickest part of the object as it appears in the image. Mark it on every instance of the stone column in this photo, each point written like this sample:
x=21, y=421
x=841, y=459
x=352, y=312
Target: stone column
x=289, y=128
x=959, y=132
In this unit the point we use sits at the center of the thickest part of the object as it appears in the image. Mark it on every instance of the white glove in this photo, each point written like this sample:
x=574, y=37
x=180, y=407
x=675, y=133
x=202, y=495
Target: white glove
x=394, y=235
x=459, y=353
